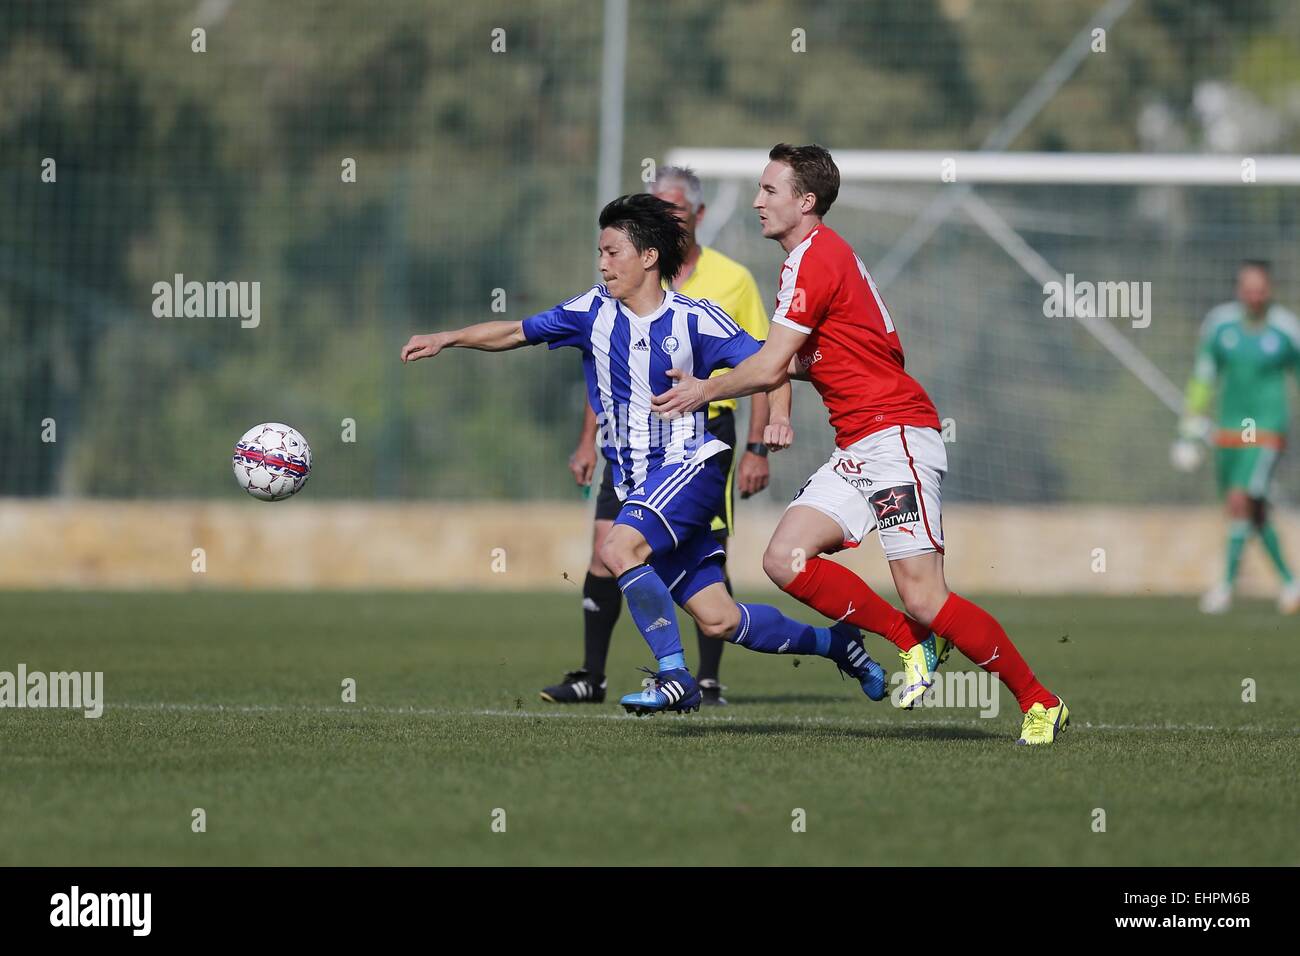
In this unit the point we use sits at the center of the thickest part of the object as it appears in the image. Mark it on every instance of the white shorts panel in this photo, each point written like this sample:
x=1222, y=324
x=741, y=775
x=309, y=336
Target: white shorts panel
x=891, y=481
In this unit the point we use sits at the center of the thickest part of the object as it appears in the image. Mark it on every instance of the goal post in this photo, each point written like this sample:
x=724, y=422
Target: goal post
x=1050, y=302
x=978, y=167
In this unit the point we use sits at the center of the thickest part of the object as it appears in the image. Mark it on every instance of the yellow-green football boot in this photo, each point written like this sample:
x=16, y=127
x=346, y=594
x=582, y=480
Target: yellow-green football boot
x=919, y=665
x=1043, y=724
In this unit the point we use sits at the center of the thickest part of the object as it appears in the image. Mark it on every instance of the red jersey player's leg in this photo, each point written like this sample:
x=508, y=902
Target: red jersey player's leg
x=907, y=469
x=828, y=513
x=970, y=628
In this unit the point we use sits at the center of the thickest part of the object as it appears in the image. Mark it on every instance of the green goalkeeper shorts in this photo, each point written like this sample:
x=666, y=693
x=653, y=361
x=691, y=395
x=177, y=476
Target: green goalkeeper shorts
x=1247, y=469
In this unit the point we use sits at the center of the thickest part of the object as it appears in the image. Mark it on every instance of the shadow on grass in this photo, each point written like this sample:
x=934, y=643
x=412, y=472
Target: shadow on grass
x=784, y=699
x=884, y=732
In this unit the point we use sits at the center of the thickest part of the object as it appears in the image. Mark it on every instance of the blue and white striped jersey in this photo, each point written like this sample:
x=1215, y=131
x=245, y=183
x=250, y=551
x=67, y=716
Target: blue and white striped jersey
x=626, y=358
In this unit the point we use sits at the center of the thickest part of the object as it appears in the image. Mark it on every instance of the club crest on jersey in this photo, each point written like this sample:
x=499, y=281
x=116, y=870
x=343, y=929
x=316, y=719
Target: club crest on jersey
x=641, y=346
x=670, y=344
x=895, y=505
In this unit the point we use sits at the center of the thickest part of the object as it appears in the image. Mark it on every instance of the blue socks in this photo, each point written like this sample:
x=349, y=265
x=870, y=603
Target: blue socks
x=765, y=629
x=651, y=606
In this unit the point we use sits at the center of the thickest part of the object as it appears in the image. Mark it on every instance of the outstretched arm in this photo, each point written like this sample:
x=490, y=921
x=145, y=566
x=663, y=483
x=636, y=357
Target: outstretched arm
x=485, y=336
x=763, y=371
x=1199, y=394
x=1194, y=426
x=1200, y=391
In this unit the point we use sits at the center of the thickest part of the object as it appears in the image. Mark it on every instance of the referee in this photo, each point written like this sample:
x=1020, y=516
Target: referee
x=706, y=274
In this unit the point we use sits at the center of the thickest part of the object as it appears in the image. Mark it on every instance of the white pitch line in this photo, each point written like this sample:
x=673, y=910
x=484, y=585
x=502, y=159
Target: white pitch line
x=792, y=719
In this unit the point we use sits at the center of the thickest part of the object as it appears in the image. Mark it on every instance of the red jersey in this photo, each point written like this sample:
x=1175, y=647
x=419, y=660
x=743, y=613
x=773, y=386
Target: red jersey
x=852, y=355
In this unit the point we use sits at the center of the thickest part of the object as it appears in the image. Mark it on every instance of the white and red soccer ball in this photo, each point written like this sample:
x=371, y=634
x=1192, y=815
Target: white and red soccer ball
x=272, y=461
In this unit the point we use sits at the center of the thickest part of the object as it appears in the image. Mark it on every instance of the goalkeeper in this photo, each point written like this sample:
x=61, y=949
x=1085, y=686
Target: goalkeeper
x=1246, y=349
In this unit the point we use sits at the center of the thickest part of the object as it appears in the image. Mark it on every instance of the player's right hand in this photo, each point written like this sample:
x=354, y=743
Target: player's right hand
x=1195, y=428
x=422, y=346
x=778, y=436
x=582, y=464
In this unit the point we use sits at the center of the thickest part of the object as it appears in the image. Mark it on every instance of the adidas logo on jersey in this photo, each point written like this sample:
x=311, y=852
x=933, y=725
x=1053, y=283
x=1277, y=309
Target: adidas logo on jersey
x=635, y=513
x=642, y=346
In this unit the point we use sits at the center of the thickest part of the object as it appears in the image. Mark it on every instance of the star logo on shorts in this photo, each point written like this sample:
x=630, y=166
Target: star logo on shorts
x=895, y=506
x=889, y=504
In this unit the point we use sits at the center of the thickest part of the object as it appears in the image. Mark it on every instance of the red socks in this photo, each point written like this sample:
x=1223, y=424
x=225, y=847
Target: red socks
x=978, y=635
x=838, y=593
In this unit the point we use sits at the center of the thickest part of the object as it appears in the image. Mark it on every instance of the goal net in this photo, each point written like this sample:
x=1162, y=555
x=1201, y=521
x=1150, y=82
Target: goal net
x=1049, y=303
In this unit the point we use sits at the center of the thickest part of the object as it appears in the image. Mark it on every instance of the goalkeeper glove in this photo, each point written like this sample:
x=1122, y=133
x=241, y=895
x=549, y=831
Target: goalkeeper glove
x=1194, y=428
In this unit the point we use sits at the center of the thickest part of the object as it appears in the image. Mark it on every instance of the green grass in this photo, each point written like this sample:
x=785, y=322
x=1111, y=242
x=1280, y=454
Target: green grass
x=231, y=702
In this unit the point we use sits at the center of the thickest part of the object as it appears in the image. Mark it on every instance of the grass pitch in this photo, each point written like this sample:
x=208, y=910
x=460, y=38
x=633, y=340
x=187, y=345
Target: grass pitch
x=232, y=703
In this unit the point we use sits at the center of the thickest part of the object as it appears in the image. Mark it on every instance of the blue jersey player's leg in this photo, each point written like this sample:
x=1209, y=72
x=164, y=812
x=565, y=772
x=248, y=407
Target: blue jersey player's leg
x=627, y=551
x=765, y=629
x=664, y=553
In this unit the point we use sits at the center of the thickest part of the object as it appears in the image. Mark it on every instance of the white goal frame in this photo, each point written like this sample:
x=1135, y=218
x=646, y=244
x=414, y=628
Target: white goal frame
x=958, y=173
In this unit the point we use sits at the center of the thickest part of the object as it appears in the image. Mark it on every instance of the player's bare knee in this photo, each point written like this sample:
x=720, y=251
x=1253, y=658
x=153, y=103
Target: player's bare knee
x=618, y=554
x=719, y=625
x=923, y=602
x=920, y=610
x=615, y=559
x=600, y=530
x=779, y=563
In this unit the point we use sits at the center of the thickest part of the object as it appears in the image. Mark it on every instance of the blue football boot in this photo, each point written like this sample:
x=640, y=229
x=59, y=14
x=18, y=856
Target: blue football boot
x=673, y=690
x=859, y=665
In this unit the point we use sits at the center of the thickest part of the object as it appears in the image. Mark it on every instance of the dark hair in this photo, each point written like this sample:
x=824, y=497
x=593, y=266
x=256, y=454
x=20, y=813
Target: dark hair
x=814, y=172
x=650, y=223
x=1263, y=265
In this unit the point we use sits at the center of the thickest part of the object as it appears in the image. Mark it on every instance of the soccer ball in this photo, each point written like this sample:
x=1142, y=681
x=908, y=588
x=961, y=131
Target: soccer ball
x=1185, y=454
x=272, y=461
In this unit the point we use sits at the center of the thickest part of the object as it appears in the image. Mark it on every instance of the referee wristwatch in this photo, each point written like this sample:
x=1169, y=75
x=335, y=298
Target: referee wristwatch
x=757, y=448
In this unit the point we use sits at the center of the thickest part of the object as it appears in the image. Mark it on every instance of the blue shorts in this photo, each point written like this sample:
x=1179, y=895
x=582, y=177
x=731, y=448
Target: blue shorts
x=673, y=509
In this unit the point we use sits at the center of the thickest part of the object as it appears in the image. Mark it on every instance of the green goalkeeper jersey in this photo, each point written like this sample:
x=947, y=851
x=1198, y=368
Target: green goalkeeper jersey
x=1247, y=359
